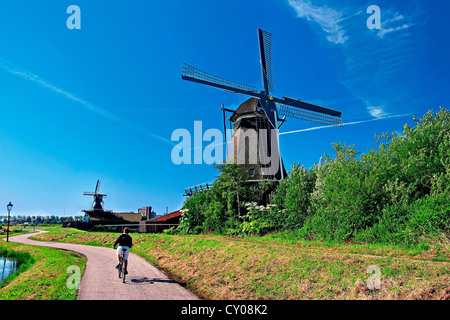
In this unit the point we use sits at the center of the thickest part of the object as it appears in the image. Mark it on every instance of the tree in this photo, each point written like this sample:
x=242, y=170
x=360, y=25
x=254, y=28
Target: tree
x=219, y=209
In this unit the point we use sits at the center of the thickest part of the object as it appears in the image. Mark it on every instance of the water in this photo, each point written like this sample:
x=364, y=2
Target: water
x=7, y=266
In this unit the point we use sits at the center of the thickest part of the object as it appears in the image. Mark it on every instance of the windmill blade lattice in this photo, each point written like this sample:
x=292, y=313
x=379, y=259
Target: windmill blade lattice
x=308, y=115
x=264, y=106
x=266, y=57
x=194, y=74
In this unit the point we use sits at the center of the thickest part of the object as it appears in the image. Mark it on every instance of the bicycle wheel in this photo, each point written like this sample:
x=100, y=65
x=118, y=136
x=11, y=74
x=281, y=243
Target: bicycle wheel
x=123, y=271
x=120, y=267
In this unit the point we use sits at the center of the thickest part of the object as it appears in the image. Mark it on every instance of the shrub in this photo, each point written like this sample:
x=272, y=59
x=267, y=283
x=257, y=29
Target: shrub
x=398, y=192
x=294, y=196
x=426, y=218
x=221, y=207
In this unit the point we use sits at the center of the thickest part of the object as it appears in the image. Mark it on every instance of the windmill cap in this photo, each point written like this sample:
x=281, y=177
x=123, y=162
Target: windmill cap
x=251, y=105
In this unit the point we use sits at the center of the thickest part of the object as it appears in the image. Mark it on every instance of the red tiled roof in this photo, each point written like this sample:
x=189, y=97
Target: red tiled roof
x=167, y=216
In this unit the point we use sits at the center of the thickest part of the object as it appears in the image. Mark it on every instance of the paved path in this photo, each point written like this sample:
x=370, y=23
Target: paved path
x=100, y=280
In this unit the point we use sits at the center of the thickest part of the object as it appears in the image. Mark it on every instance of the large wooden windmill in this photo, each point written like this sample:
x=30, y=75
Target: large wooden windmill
x=263, y=114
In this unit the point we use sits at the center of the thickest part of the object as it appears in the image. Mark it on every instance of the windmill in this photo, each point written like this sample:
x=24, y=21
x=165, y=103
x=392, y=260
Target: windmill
x=97, y=203
x=263, y=111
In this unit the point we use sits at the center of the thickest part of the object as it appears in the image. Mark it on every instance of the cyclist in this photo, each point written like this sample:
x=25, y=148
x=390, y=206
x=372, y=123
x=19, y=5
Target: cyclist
x=125, y=242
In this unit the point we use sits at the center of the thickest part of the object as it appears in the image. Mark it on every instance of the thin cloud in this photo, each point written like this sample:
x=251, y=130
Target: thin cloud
x=29, y=76
x=327, y=18
x=394, y=24
x=345, y=124
x=377, y=63
x=377, y=112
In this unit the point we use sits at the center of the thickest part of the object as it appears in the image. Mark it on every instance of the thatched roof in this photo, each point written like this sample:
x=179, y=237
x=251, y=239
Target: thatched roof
x=247, y=107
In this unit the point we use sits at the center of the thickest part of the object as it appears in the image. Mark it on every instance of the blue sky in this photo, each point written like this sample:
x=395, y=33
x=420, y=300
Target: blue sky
x=102, y=102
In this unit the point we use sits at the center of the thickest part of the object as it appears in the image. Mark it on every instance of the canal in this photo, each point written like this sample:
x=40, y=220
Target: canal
x=7, y=267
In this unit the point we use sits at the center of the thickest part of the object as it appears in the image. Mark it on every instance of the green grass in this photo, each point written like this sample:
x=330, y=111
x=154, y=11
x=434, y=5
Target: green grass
x=23, y=259
x=218, y=267
x=42, y=273
x=277, y=266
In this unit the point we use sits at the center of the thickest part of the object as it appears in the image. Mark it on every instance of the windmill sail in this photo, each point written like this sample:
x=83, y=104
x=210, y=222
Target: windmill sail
x=196, y=75
x=265, y=52
x=97, y=203
x=307, y=111
x=263, y=113
x=97, y=187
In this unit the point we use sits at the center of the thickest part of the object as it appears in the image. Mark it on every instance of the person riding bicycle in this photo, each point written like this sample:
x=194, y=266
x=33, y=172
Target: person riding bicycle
x=125, y=242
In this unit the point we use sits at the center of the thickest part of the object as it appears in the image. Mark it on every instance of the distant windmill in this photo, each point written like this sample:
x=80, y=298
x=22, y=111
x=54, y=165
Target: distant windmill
x=97, y=203
x=263, y=111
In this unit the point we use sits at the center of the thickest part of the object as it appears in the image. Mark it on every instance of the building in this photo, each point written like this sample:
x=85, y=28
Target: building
x=159, y=224
x=255, y=143
x=147, y=212
x=94, y=218
x=145, y=220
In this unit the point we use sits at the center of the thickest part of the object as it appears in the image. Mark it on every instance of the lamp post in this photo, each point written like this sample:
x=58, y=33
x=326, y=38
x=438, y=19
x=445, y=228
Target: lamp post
x=9, y=207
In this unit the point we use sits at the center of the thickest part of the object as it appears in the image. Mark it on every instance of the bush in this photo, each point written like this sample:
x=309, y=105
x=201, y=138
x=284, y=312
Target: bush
x=221, y=208
x=426, y=218
x=396, y=193
x=293, y=195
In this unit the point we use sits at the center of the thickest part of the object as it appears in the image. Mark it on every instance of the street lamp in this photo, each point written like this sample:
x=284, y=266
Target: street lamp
x=9, y=207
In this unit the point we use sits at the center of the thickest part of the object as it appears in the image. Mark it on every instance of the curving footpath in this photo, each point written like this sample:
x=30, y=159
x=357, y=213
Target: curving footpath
x=100, y=280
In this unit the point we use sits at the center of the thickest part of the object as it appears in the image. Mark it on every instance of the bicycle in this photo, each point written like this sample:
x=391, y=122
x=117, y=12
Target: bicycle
x=122, y=265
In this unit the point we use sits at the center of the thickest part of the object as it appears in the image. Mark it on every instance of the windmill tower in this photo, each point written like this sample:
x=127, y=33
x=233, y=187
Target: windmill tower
x=262, y=114
x=254, y=143
x=97, y=203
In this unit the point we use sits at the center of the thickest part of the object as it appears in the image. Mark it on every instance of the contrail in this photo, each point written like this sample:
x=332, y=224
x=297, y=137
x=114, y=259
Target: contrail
x=27, y=75
x=346, y=124
x=318, y=128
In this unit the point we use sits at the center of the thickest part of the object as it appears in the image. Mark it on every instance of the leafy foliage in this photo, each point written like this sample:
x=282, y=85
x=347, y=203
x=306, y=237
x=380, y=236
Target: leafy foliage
x=398, y=192
x=359, y=194
x=221, y=209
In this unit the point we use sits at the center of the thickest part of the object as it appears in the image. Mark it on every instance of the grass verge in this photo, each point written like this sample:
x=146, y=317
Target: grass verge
x=277, y=268
x=42, y=275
